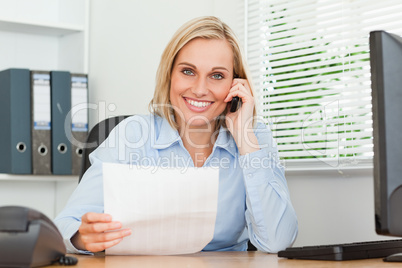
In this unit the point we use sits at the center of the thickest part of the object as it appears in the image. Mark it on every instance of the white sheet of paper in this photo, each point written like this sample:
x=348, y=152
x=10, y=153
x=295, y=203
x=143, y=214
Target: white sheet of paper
x=169, y=210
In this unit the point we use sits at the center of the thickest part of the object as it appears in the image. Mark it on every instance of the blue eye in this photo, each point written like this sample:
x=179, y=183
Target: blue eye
x=187, y=72
x=217, y=76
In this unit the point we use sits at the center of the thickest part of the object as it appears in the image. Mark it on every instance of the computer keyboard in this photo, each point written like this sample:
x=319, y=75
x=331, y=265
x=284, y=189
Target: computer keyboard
x=340, y=252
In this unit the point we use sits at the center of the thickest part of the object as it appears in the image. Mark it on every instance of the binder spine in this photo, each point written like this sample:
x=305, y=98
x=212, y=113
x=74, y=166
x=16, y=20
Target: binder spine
x=15, y=108
x=79, y=119
x=21, y=139
x=40, y=122
x=61, y=122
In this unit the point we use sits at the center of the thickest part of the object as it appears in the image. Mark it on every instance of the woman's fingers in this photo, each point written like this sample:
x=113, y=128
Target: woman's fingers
x=96, y=247
x=98, y=232
x=96, y=217
x=98, y=223
x=105, y=237
x=239, y=94
x=99, y=241
x=99, y=227
x=239, y=91
x=243, y=82
x=239, y=87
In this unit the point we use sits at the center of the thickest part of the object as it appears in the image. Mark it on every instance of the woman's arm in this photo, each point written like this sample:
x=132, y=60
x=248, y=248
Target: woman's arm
x=270, y=216
x=82, y=222
x=271, y=219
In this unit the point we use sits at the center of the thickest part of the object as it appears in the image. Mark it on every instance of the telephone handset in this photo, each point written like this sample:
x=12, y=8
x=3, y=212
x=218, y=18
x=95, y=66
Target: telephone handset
x=235, y=104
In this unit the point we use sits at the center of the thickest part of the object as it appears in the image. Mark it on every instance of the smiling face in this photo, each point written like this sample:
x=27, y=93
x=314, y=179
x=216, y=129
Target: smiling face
x=201, y=77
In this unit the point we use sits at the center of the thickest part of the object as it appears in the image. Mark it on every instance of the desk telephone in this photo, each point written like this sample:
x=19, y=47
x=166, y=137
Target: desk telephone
x=30, y=239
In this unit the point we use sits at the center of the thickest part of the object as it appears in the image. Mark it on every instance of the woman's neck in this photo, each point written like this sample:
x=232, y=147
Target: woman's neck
x=199, y=142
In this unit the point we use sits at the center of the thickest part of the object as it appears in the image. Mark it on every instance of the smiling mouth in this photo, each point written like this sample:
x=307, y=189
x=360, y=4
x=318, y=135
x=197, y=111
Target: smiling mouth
x=198, y=104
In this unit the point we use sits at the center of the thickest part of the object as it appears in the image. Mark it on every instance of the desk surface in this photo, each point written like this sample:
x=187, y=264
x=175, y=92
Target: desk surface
x=216, y=259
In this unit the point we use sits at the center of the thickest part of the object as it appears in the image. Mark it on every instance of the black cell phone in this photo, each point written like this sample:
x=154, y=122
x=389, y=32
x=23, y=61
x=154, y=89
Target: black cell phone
x=235, y=104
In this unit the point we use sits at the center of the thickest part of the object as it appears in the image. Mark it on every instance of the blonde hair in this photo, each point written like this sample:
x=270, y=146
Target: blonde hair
x=203, y=27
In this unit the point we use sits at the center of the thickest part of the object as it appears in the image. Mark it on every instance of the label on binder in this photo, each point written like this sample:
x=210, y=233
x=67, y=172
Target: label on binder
x=41, y=101
x=79, y=103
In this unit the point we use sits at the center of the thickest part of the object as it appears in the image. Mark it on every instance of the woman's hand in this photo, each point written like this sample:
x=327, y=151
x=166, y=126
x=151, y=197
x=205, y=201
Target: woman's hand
x=240, y=123
x=98, y=232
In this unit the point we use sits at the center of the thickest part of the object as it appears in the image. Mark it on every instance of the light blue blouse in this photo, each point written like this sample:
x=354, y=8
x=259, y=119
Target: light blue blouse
x=253, y=198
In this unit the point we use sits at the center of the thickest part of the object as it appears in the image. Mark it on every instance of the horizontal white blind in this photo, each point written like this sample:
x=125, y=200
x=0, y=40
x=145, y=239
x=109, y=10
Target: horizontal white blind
x=310, y=65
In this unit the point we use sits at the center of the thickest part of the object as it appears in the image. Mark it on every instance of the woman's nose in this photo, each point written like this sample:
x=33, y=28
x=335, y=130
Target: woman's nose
x=200, y=88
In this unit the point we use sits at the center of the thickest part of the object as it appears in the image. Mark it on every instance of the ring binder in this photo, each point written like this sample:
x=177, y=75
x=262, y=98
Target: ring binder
x=41, y=122
x=60, y=87
x=15, y=122
x=79, y=119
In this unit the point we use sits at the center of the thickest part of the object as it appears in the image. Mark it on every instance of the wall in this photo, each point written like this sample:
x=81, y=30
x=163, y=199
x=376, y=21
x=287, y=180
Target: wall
x=333, y=206
x=47, y=194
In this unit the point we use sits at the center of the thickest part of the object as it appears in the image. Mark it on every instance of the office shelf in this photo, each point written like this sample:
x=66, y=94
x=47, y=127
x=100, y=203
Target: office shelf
x=43, y=178
x=39, y=28
x=44, y=34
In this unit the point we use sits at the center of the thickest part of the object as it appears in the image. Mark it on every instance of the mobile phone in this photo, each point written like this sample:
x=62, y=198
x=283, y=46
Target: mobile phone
x=235, y=104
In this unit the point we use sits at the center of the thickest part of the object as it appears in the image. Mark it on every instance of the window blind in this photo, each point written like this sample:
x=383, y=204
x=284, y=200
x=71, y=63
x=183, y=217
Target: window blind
x=311, y=70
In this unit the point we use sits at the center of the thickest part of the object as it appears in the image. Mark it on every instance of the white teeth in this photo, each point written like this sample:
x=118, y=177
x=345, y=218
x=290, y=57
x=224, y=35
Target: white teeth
x=199, y=104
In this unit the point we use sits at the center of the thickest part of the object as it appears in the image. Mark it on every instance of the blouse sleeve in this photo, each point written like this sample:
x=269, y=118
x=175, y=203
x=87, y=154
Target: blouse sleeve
x=270, y=216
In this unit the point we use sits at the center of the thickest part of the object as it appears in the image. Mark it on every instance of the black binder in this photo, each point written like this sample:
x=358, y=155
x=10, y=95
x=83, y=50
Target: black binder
x=15, y=122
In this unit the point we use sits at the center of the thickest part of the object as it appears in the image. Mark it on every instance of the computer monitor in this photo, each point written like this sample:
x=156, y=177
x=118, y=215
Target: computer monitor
x=386, y=78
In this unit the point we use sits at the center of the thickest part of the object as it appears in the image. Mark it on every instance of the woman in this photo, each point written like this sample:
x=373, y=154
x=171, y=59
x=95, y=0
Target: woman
x=191, y=125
